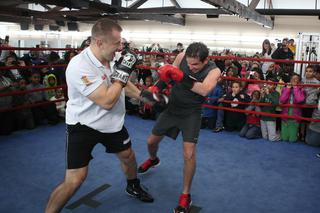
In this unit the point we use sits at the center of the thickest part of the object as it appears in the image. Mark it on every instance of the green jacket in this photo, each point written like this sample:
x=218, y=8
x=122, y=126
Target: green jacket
x=272, y=98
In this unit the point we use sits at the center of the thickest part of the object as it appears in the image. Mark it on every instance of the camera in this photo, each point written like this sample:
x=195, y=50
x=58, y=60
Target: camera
x=16, y=63
x=251, y=75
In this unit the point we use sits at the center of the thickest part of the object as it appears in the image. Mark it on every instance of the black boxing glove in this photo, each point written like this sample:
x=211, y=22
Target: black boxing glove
x=149, y=96
x=123, y=67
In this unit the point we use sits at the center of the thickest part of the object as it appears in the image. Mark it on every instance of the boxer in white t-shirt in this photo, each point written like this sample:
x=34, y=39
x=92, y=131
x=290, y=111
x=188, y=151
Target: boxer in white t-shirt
x=95, y=112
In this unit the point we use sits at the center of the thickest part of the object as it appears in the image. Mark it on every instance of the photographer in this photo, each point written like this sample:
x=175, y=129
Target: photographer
x=254, y=74
x=283, y=52
x=15, y=74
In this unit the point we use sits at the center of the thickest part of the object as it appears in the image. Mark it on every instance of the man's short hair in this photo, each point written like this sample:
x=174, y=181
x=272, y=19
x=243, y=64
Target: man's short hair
x=197, y=50
x=103, y=28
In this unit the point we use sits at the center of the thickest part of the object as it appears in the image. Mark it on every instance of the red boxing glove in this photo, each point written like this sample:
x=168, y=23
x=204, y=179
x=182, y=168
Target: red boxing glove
x=154, y=89
x=169, y=72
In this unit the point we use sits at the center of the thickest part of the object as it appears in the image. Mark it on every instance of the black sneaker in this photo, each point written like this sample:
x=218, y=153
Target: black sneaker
x=135, y=190
x=148, y=164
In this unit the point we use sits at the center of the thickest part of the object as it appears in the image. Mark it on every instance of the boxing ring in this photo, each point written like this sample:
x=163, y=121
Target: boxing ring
x=233, y=174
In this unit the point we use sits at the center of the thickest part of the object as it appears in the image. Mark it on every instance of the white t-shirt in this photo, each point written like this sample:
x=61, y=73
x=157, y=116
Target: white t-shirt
x=266, y=64
x=84, y=74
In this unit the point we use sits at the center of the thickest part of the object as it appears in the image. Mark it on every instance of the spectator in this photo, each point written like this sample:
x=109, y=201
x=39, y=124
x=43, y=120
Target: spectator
x=69, y=55
x=252, y=129
x=266, y=53
x=291, y=94
x=286, y=73
x=40, y=113
x=237, y=95
x=283, y=52
x=16, y=74
x=23, y=117
x=146, y=110
x=5, y=53
x=254, y=74
x=209, y=115
x=272, y=71
x=60, y=104
x=179, y=48
x=6, y=86
x=59, y=72
x=85, y=43
x=268, y=124
x=292, y=46
x=50, y=81
x=311, y=97
x=313, y=131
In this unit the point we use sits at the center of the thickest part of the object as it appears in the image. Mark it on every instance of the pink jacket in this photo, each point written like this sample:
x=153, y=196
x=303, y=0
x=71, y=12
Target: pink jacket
x=298, y=98
x=251, y=88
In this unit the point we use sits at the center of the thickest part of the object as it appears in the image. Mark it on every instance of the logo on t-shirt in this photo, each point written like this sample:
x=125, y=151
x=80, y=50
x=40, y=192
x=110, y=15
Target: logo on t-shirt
x=104, y=77
x=86, y=80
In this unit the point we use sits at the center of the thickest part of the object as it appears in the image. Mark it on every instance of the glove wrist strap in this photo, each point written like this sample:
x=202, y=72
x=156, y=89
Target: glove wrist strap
x=188, y=82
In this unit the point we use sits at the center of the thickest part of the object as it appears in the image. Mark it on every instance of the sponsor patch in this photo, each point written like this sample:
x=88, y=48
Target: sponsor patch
x=86, y=80
x=104, y=77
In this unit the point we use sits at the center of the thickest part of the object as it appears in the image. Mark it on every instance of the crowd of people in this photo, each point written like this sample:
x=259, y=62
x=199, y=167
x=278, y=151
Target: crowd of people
x=251, y=125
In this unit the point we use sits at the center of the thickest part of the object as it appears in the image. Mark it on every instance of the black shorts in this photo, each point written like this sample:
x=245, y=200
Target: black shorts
x=170, y=125
x=81, y=140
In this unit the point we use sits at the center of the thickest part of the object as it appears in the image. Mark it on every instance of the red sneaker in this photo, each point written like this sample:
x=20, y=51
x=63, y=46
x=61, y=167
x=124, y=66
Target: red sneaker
x=143, y=168
x=184, y=204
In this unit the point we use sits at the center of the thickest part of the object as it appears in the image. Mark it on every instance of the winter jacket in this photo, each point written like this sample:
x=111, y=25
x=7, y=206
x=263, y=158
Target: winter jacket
x=298, y=98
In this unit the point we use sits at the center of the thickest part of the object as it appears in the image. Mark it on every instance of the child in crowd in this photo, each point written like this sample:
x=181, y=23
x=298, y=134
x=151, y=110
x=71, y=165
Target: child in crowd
x=50, y=81
x=272, y=71
x=227, y=84
x=226, y=88
x=291, y=94
x=253, y=86
x=244, y=68
x=311, y=92
x=313, y=131
x=209, y=115
x=146, y=111
x=252, y=129
x=23, y=117
x=44, y=111
x=268, y=124
x=237, y=95
x=61, y=105
x=311, y=97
